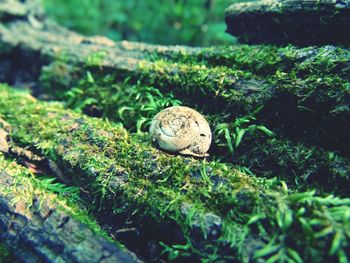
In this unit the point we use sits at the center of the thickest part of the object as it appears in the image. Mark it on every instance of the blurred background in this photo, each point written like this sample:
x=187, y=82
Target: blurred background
x=183, y=22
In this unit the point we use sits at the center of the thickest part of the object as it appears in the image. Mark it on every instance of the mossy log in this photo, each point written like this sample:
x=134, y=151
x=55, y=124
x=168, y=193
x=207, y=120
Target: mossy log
x=261, y=60
x=36, y=225
x=301, y=167
x=301, y=22
x=312, y=81
x=134, y=105
x=195, y=208
x=171, y=207
x=304, y=92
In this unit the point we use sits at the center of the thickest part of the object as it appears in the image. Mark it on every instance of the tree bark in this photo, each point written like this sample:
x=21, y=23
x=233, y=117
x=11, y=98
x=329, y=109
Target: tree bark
x=37, y=229
x=298, y=22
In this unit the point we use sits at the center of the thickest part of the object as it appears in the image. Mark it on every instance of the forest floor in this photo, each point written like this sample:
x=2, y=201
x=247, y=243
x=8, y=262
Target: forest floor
x=81, y=180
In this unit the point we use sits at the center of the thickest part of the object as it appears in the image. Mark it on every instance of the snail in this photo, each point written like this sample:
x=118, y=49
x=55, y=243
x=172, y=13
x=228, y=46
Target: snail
x=181, y=130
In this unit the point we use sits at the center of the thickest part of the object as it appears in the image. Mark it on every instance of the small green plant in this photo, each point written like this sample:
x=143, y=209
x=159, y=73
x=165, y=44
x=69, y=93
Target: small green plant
x=175, y=251
x=5, y=253
x=51, y=184
x=320, y=220
x=134, y=105
x=230, y=135
x=96, y=58
x=148, y=101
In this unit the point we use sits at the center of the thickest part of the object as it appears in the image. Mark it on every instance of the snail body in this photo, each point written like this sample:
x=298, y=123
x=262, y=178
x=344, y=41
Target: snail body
x=181, y=130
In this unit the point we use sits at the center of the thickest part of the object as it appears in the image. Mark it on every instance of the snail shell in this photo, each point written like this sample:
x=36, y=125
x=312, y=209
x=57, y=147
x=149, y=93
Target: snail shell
x=181, y=130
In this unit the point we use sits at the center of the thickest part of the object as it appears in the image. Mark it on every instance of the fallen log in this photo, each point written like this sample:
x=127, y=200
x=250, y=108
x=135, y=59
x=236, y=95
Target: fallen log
x=104, y=95
x=261, y=60
x=206, y=210
x=37, y=225
x=298, y=101
x=290, y=21
x=301, y=166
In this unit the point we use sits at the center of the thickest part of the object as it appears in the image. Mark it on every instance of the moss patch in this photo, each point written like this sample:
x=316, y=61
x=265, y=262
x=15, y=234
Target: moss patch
x=304, y=93
x=266, y=153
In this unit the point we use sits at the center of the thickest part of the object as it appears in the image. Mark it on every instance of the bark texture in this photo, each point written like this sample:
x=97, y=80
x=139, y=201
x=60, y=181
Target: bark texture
x=36, y=229
x=301, y=22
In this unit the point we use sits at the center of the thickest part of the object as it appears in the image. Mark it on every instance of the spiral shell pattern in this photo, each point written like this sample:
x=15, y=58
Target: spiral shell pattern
x=181, y=130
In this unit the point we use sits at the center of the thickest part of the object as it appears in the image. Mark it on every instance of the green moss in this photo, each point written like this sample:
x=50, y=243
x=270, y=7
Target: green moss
x=5, y=253
x=220, y=211
x=312, y=109
x=263, y=60
x=197, y=84
x=305, y=93
x=302, y=167
x=260, y=60
x=96, y=59
x=246, y=143
x=134, y=105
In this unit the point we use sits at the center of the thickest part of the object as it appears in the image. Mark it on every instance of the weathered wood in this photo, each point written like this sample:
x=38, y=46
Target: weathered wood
x=301, y=22
x=202, y=207
x=38, y=226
